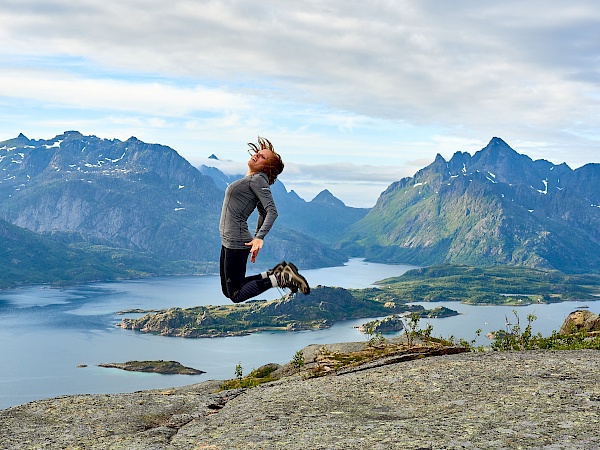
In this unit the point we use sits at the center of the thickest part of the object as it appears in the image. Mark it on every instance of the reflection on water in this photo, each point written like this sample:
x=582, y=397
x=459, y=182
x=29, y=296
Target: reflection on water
x=46, y=334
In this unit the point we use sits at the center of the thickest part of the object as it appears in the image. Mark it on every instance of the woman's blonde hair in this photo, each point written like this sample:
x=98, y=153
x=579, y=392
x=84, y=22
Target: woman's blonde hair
x=275, y=165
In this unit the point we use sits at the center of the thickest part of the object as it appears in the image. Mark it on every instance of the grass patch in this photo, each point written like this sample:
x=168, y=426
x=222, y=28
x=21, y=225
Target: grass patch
x=256, y=377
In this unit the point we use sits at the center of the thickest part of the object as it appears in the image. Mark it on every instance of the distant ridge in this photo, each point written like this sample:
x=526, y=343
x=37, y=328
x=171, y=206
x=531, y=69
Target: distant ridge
x=328, y=198
x=324, y=218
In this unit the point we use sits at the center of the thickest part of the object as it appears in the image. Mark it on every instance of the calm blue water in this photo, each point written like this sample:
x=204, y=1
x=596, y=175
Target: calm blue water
x=46, y=333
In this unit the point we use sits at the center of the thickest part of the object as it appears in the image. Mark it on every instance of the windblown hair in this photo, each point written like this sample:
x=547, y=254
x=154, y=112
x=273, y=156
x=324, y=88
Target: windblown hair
x=275, y=165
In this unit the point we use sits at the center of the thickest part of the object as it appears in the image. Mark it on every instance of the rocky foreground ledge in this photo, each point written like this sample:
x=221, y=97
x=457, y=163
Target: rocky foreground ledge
x=499, y=400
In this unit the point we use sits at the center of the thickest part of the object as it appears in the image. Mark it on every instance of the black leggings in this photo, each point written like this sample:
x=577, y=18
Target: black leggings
x=234, y=282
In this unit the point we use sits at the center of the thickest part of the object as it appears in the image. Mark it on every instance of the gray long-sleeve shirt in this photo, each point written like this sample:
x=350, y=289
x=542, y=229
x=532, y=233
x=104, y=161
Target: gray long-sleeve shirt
x=242, y=197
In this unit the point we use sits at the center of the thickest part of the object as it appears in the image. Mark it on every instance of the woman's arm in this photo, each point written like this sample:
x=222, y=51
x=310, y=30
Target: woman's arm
x=267, y=211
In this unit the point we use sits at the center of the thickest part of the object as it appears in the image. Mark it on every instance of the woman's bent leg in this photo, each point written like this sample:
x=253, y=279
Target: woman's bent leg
x=234, y=283
x=251, y=289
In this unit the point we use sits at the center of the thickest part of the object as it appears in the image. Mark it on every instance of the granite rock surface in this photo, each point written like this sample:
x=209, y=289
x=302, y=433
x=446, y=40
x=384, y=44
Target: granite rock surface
x=500, y=400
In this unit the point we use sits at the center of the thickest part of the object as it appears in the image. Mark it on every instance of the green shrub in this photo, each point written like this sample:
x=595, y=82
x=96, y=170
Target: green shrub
x=514, y=338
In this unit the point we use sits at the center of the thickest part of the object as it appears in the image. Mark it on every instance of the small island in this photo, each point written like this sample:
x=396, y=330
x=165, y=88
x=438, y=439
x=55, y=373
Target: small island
x=393, y=324
x=160, y=366
x=390, y=324
x=497, y=285
x=136, y=311
x=321, y=309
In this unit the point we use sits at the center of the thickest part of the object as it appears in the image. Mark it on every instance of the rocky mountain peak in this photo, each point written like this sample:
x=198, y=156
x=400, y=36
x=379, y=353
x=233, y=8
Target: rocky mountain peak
x=22, y=138
x=127, y=194
x=439, y=159
x=498, y=143
x=72, y=134
x=327, y=197
x=133, y=140
x=495, y=150
x=18, y=142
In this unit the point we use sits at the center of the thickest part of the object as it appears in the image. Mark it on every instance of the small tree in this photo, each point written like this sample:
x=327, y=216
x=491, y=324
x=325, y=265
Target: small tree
x=374, y=337
x=515, y=338
x=411, y=327
x=370, y=330
x=298, y=360
x=239, y=372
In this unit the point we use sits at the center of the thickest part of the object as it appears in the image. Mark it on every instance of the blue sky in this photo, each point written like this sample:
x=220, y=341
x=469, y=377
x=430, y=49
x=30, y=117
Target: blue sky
x=353, y=94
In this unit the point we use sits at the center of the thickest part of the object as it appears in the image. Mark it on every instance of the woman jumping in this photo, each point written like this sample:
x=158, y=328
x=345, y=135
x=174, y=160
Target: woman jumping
x=242, y=197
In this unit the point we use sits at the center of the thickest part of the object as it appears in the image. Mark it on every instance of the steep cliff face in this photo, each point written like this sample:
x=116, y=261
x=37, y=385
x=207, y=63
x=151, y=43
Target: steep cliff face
x=496, y=207
x=128, y=194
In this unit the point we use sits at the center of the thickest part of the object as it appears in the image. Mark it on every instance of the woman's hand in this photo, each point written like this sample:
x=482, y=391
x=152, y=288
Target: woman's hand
x=256, y=245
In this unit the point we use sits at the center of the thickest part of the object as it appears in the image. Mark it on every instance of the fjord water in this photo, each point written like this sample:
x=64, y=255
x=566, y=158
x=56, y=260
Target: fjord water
x=45, y=334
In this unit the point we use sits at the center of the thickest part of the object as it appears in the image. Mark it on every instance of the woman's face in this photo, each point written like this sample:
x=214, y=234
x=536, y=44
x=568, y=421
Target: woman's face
x=258, y=161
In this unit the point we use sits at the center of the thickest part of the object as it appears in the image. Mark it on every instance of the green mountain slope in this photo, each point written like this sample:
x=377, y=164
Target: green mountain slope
x=29, y=258
x=497, y=207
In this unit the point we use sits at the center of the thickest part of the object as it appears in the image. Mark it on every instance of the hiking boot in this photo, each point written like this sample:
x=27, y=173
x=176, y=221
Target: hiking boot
x=277, y=269
x=282, y=266
x=290, y=278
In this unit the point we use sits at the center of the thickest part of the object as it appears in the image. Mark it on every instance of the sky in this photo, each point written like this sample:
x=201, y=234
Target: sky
x=354, y=95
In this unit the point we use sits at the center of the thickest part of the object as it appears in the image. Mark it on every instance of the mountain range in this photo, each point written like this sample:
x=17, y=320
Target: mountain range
x=123, y=194
x=112, y=197
x=495, y=207
x=91, y=208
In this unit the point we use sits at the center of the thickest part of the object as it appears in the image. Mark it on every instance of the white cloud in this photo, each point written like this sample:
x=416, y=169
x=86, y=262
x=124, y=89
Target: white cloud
x=379, y=82
x=140, y=97
x=228, y=167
